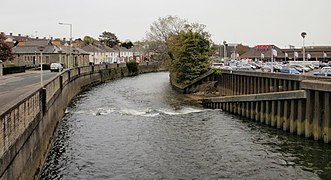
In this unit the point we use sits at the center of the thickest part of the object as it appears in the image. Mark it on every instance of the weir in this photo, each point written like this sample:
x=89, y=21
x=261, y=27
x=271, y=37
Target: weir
x=28, y=127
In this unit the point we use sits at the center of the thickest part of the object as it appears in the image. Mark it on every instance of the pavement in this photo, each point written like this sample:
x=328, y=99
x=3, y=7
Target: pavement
x=15, y=87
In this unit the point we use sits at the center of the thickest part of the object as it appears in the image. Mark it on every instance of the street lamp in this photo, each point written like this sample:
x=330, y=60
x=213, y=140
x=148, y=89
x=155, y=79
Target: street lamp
x=303, y=34
x=41, y=49
x=225, y=54
x=70, y=25
x=1, y=69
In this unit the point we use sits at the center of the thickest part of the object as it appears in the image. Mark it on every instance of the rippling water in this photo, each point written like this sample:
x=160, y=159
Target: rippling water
x=138, y=128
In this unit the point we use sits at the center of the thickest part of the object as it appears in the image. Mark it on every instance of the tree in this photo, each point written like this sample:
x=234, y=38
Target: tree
x=90, y=40
x=109, y=39
x=160, y=31
x=189, y=52
x=5, y=50
x=127, y=44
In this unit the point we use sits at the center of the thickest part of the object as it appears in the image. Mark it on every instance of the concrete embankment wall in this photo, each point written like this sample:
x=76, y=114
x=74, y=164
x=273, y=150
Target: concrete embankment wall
x=27, y=129
x=295, y=103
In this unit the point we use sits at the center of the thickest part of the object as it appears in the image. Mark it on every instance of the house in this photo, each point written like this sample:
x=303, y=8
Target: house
x=29, y=52
x=109, y=54
x=95, y=53
x=137, y=53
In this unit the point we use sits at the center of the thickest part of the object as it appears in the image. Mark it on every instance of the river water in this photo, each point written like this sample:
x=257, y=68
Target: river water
x=139, y=128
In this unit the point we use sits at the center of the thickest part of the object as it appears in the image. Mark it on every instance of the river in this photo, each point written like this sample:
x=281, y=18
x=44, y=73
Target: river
x=139, y=128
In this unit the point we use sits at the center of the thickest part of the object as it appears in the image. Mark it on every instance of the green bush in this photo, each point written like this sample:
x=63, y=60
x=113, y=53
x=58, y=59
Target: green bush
x=217, y=70
x=10, y=65
x=46, y=67
x=13, y=69
x=132, y=67
x=37, y=68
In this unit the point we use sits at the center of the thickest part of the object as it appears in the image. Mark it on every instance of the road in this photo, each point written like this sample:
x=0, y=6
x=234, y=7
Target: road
x=14, y=86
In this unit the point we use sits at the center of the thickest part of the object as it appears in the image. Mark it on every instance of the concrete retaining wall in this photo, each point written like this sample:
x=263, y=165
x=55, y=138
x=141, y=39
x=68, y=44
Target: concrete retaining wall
x=295, y=103
x=27, y=129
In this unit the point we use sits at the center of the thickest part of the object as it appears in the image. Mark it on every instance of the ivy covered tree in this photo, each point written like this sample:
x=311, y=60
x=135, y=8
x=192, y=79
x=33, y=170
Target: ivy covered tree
x=189, y=52
x=5, y=50
x=90, y=40
x=127, y=44
x=109, y=39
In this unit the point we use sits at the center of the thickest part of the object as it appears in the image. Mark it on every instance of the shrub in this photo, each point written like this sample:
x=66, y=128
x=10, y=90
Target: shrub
x=132, y=67
x=13, y=69
x=216, y=70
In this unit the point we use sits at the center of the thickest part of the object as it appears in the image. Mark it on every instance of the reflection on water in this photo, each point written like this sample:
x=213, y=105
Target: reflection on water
x=138, y=128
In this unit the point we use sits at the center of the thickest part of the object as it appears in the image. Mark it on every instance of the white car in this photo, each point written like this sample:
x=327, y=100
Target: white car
x=217, y=65
x=56, y=67
x=300, y=68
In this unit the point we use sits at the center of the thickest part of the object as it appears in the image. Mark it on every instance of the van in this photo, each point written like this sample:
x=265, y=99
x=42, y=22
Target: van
x=56, y=67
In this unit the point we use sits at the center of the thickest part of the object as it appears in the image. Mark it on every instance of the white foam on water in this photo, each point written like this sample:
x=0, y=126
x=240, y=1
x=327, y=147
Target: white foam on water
x=102, y=111
x=185, y=110
x=148, y=112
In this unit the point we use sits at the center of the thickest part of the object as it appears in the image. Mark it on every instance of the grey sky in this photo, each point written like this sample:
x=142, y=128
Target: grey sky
x=250, y=22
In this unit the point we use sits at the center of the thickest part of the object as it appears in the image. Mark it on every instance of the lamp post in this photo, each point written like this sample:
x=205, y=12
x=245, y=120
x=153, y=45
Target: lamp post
x=70, y=25
x=225, y=53
x=1, y=69
x=303, y=34
x=41, y=49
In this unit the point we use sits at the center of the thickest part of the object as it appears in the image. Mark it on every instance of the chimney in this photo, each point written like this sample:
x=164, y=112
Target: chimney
x=57, y=42
x=21, y=43
x=74, y=44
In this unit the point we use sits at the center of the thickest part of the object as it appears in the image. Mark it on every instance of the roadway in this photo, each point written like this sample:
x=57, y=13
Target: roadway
x=15, y=86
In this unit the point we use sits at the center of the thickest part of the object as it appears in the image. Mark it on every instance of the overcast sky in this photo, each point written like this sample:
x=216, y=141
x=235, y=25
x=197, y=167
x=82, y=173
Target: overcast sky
x=250, y=22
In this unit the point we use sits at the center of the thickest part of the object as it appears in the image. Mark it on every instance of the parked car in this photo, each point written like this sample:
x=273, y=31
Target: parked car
x=56, y=67
x=289, y=70
x=245, y=68
x=325, y=71
x=300, y=68
x=217, y=65
x=324, y=65
x=257, y=65
x=310, y=66
x=267, y=69
x=275, y=66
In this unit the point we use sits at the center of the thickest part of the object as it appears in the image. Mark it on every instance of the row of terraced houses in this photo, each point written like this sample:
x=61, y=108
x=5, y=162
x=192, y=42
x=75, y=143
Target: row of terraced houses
x=28, y=52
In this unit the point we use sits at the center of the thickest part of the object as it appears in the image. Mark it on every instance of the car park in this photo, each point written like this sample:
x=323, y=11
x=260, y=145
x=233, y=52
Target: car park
x=56, y=67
